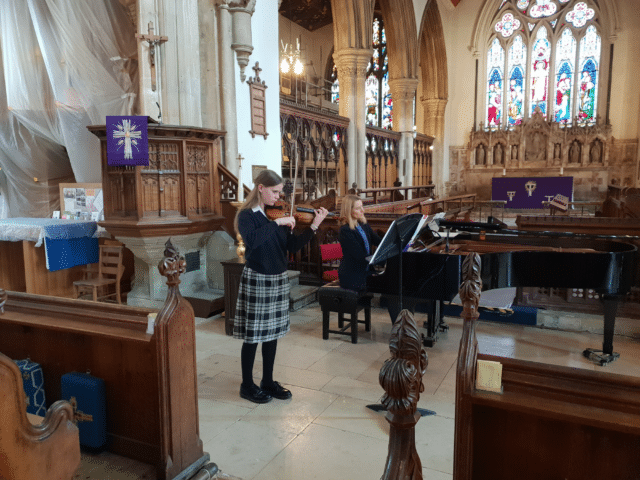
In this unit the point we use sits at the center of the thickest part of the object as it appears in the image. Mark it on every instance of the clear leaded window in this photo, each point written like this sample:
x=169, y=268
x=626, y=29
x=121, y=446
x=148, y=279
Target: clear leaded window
x=543, y=55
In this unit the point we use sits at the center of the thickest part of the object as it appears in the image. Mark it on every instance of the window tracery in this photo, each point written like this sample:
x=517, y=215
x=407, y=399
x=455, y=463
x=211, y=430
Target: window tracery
x=543, y=56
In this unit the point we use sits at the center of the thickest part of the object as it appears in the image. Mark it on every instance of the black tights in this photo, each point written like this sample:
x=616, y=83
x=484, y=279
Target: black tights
x=248, y=356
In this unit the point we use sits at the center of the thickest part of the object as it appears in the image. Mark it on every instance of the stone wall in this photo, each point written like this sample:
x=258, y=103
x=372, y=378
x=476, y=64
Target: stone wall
x=538, y=148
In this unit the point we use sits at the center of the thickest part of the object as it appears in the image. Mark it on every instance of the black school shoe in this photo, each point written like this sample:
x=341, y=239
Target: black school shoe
x=276, y=391
x=254, y=394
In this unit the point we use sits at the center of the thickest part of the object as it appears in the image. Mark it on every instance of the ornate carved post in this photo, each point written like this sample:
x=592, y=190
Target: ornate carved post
x=401, y=378
x=178, y=383
x=466, y=368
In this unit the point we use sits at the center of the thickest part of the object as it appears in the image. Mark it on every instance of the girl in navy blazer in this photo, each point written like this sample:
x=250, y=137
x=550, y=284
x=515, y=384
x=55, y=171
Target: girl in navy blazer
x=262, y=308
x=357, y=240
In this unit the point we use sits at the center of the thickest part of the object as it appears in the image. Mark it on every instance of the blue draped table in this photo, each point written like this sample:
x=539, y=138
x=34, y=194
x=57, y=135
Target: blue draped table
x=67, y=243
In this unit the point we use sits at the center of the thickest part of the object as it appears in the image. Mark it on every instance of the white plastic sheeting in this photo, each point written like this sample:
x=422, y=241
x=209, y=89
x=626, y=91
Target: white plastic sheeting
x=65, y=64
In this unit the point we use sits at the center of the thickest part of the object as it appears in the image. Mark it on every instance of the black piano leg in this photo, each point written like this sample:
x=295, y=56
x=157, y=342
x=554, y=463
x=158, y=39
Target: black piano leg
x=442, y=326
x=606, y=355
x=433, y=318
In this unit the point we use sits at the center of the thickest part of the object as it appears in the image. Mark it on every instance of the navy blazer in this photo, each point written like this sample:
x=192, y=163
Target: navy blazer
x=352, y=272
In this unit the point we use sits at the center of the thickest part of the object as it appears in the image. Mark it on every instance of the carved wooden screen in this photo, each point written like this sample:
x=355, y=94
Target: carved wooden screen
x=199, y=179
x=161, y=180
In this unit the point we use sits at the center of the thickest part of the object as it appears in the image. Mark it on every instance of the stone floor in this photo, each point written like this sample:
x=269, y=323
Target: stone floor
x=326, y=430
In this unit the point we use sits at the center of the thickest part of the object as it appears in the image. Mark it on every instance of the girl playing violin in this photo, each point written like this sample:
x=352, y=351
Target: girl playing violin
x=262, y=309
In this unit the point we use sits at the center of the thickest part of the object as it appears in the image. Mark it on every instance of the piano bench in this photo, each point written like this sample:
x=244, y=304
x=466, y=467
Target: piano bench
x=332, y=298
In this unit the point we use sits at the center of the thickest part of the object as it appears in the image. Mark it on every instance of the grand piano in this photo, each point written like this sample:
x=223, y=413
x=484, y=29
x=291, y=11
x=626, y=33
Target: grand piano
x=430, y=268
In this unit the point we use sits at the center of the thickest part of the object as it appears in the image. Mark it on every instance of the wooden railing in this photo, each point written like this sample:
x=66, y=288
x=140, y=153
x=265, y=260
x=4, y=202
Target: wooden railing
x=386, y=194
x=575, y=209
x=422, y=159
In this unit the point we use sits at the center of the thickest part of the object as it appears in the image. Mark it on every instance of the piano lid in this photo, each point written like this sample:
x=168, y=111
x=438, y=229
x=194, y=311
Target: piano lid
x=396, y=238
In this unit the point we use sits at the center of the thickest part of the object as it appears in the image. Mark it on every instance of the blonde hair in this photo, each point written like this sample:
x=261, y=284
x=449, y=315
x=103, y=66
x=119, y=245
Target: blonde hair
x=347, y=208
x=266, y=178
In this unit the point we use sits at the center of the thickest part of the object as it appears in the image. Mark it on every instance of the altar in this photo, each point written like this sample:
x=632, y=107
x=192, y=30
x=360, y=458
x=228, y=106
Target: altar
x=530, y=192
x=46, y=255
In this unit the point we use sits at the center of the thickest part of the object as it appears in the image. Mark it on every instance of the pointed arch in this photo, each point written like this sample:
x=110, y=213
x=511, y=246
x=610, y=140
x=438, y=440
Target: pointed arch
x=402, y=38
x=433, y=61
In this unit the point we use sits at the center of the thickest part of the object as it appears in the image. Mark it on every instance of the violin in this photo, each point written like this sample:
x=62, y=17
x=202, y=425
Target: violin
x=304, y=214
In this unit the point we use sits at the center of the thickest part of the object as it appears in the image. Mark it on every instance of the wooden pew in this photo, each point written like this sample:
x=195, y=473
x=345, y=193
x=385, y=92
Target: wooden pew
x=548, y=422
x=48, y=451
x=150, y=379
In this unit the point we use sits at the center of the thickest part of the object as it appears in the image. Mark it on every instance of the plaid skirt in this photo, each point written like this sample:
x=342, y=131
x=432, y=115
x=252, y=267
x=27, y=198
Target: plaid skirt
x=262, y=309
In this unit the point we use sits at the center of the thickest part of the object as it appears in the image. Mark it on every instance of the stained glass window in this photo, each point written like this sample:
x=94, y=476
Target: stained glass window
x=540, y=71
x=378, y=101
x=517, y=68
x=565, y=66
x=543, y=55
x=335, y=85
x=494, y=84
x=588, y=61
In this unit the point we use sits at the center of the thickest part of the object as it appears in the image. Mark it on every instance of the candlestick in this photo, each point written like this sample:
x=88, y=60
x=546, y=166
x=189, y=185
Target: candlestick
x=561, y=170
x=240, y=186
x=504, y=172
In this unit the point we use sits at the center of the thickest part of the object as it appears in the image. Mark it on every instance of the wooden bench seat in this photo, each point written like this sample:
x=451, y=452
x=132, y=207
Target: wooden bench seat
x=46, y=451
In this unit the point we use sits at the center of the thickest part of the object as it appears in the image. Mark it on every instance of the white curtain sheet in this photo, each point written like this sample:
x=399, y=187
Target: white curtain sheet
x=66, y=64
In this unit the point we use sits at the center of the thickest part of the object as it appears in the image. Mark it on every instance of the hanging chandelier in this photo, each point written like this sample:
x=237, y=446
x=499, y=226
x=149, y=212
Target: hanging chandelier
x=291, y=58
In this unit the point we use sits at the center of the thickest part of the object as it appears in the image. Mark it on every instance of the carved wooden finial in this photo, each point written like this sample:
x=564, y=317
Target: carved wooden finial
x=471, y=286
x=401, y=378
x=172, y=265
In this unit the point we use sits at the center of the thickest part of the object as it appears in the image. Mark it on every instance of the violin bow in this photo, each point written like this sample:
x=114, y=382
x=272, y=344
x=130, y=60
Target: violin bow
x=295, y=177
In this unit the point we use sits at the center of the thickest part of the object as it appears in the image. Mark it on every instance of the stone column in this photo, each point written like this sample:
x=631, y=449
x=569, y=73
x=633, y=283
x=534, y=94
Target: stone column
x=434, y=127
x=352, y=67
x=403, y=91
x=147, y=13
x=177, y=62
x=228, y=90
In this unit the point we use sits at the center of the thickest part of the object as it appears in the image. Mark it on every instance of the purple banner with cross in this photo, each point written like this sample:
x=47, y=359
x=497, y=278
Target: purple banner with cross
x=530, y=192
x=127, y=141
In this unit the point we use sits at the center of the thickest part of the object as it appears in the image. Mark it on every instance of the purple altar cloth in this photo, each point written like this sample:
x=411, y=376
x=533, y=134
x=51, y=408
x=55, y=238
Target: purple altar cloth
x=530, y=192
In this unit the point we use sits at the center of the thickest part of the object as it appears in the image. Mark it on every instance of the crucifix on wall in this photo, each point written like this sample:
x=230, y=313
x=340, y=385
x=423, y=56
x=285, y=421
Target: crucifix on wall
x=152, y=40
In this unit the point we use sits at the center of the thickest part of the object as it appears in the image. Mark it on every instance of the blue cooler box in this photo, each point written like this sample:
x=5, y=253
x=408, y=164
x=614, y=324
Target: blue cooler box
x=33, y=383
x=86, y=394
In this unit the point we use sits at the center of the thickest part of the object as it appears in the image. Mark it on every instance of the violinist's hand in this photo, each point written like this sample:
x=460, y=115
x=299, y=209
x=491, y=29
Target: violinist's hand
x=287, y=221
x=321, y=214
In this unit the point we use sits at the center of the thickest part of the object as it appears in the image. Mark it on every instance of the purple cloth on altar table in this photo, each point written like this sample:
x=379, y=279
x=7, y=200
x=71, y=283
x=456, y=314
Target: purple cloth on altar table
x=127, y=140
x=515, y=192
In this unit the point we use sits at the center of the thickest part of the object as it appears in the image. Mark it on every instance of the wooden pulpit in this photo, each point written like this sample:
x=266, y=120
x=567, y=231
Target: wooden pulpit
x=175, y=194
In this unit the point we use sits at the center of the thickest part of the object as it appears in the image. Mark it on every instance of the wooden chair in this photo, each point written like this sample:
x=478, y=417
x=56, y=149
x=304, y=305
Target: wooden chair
x=48, y=451
x=331, y=254
x=110, y=270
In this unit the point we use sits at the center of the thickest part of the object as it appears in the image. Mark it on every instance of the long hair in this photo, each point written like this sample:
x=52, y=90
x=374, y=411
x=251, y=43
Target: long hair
x=347, y=207
x=266, y=178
